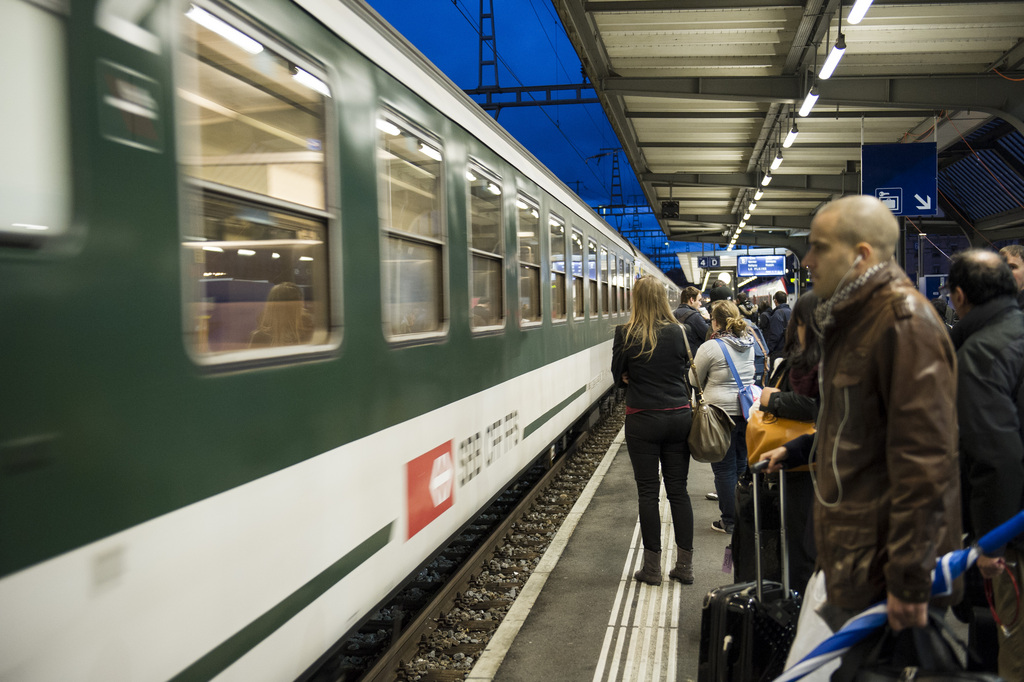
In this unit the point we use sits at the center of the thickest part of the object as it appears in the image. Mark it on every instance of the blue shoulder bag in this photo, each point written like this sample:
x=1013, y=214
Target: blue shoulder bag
x=746, y=392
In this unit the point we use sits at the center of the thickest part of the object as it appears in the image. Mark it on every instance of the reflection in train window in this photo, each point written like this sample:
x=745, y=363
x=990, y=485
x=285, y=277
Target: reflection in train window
x=604, y=281
x=613, y=279
x=410, y=169
x=623, y=284
x=577, y=274
x=629, y=287
x=592, y=274
x=487, y=248
x=528, y=236
x=252, y=122
x=557, y=230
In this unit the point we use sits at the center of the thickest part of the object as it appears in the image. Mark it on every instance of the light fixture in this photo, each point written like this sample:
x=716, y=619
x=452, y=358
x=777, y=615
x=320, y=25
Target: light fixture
x=223, y=29
x=427, y=150
x=311, y=82
x=739, y=231
x=766, y=179
x=751, y=207
x=521, y=205
x=493, y=189
x=743, y=223
x=214, y=249
x=307, y=258
x=777, y=161
x=860, y=8
x=746, y=216
x=790, y=137
x=388, y=127
x=838, y=50
x=809, y=101
x=470, y=176
x=758, y=194
x=275, y=255
x=246, y=252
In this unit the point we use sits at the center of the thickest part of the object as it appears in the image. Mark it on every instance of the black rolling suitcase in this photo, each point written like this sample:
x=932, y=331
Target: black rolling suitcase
x=746, y=629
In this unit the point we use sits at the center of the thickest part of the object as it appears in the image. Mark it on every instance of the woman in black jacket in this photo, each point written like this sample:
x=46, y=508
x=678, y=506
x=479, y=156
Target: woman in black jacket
x=649, y=359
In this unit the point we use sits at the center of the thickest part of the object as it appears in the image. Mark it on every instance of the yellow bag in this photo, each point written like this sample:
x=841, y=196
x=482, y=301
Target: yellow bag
x=766, y=432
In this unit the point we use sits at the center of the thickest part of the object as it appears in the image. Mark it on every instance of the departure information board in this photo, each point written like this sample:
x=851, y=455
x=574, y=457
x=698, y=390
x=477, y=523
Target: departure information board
x=760, y=266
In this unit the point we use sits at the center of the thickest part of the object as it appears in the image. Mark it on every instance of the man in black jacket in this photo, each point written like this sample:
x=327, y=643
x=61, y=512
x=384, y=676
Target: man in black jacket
x=689, y=315
x=776, y=334
x=990, y=355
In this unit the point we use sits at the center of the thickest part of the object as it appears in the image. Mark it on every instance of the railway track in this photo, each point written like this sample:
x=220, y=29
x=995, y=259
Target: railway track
x=435, y=628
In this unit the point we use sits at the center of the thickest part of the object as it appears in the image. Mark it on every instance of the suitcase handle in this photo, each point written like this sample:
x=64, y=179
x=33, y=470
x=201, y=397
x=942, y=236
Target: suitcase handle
x=783, y=542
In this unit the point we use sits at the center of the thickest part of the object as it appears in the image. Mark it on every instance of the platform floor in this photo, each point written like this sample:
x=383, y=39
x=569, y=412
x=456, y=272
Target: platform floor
x=582, y=617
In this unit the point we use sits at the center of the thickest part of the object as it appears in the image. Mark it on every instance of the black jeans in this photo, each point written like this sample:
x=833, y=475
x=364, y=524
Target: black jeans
x=658, y=437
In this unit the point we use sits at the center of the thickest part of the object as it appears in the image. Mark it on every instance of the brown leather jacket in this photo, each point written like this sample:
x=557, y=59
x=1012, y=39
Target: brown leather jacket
x=888, y=427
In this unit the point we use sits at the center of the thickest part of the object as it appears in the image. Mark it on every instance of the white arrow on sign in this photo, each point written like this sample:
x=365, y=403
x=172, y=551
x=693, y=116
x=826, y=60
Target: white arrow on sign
x=924, y=204
x=442, y=477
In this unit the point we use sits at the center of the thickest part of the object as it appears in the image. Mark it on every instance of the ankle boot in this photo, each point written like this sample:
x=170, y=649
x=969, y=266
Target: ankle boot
x=683, y=572
x=651, y=571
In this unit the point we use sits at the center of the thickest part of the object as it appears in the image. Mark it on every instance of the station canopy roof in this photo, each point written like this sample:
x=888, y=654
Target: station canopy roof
x=702, y=94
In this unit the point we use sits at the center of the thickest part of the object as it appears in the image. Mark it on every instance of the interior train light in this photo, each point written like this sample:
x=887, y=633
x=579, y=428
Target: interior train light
x=493, y=189
x=388, y=127
x=470, y=176
x=860, y=8
x=246, y=252
x=223, y=29
x=809, y=101
x=427, y=150
x=838, y=50
x=790, y=137
x=305, y=258
x=311, y=82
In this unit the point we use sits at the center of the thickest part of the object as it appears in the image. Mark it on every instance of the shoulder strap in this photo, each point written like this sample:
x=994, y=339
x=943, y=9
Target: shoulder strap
x=732, y=367
x=700, y=391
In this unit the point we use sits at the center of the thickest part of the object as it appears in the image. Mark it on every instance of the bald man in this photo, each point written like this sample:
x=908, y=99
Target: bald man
x=886, y=467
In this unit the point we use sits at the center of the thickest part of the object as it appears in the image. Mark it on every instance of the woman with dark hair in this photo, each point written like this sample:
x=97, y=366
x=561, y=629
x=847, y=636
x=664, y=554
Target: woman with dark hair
x=711, y=369
x=649, y=359
x=792, y=393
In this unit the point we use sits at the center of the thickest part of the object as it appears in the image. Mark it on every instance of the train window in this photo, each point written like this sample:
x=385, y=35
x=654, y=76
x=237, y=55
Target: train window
x=252, y=122
x=412, y=223
x=528, y=231
x=613, y=280
x=592, y=274
x=487, y=248
x=629, y=287
x=577, y=274
x=623, y=283
x=604, y=281
x=36, y=127
x=557, y=228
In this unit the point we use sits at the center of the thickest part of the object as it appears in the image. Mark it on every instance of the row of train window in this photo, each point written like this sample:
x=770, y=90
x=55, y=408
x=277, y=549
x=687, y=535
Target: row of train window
x=253, y=120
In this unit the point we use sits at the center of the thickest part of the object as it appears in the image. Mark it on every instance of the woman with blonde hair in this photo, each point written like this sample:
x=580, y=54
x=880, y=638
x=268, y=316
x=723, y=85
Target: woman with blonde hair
x=649, y=359
x=711, y=368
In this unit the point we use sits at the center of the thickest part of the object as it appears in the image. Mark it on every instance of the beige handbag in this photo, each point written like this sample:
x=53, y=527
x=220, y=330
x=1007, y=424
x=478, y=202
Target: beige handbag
x=711, y=430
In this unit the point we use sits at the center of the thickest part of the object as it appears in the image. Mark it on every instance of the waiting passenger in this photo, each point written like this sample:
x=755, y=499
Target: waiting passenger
x=649, y=359
x=990, y=360
x=688, y=314
x=792, y=393
x=711, y=370
x=777, y=323
x=1013, y=254
x=284, y=320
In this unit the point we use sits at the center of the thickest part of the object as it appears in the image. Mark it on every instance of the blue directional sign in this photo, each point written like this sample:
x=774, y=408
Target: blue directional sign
x=706, y=262
x=760, y=266
x=901, y=176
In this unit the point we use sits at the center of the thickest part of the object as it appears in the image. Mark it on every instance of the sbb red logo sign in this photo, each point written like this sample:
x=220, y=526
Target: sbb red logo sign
x=430, y=479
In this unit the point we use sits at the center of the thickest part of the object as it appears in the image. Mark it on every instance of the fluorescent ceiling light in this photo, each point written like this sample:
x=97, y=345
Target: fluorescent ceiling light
x=790, y=137
x=275, y=255
x=521, y=205
x=470, y=176
x=743, y=223
x=766, y=179
x=215, y=249
x=493, y=189
x=777, y=161
x=223, y=29
x=758, y=194
x=809, y=101
x=305, y=258
x=751, y=207
x=311, y=82
x=388, y=127
x=427, y=150
x=860, y=8
x=838, y=50
x=246, y=252
x=746, y=216
x=30, y=226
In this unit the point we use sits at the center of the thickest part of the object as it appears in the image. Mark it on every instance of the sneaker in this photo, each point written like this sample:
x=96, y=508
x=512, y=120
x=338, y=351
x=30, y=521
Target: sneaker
x=711, y=496
x=721, y=527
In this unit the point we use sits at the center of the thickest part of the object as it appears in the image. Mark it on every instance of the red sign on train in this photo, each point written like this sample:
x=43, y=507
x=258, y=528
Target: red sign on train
x=430, y=479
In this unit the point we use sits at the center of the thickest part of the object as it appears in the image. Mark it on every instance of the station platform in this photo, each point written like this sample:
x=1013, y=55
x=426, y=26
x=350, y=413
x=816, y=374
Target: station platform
x=582, y=616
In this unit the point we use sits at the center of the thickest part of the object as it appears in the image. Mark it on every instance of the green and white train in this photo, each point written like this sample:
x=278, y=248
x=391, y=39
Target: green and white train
x=282, y=310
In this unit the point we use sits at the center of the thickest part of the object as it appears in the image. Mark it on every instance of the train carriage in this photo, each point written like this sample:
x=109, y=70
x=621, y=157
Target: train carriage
x=284, y=309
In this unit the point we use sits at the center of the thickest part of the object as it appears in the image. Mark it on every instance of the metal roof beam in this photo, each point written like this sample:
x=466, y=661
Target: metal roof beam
x=826, y=184
x=668, y=5
x=977, y=92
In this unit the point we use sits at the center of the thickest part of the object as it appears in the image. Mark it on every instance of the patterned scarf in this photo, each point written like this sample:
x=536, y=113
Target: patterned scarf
x=823, y=312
